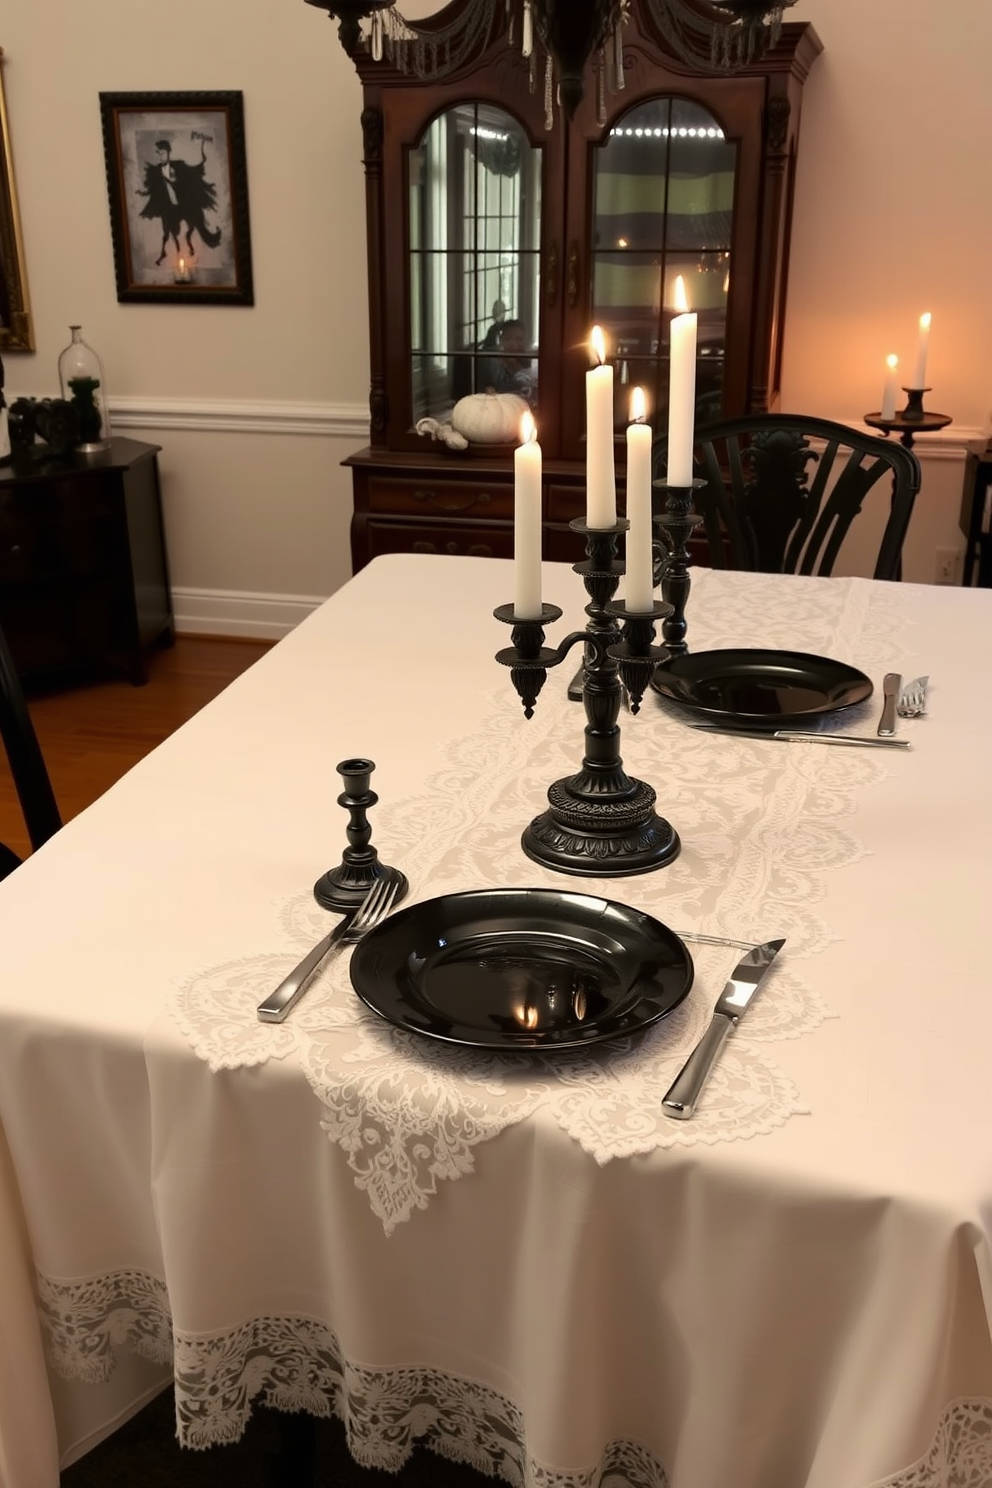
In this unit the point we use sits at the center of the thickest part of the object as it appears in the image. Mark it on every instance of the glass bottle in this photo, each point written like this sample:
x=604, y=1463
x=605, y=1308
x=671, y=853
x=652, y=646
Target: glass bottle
x=81, y=377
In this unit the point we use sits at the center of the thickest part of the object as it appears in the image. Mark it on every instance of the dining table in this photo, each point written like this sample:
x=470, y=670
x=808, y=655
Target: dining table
x=514, y=1256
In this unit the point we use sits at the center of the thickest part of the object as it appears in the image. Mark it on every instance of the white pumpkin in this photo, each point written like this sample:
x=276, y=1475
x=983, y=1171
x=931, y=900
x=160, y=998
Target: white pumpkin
x=489, y=418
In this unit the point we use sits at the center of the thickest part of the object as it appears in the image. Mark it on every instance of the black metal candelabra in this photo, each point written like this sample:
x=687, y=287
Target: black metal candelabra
x=600, y=822
x=676, y=524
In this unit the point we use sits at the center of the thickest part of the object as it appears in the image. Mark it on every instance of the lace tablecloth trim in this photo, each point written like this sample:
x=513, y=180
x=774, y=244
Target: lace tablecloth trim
x=294, y=1363
x=960, y=1454
x=761, y=827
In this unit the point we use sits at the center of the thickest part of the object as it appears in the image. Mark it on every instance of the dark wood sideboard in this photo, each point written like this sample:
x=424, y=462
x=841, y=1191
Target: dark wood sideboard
x=976, y=515
x=684, y=173
x=84, y=578
x=423, y=504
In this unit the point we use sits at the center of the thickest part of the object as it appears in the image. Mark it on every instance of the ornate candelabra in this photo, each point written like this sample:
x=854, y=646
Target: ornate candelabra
x=600, y=822
x=676, y=525
x=913, y=419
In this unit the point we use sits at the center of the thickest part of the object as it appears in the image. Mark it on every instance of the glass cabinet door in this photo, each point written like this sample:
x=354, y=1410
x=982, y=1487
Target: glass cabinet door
x=663, y=185
x=474, y=203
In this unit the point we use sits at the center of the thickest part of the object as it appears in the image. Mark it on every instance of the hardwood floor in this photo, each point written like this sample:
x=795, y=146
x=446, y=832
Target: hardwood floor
x=91, y=733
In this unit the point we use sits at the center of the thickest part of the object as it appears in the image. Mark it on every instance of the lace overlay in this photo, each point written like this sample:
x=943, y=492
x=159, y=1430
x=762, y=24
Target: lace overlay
x=295, y=1364
x=762, y=827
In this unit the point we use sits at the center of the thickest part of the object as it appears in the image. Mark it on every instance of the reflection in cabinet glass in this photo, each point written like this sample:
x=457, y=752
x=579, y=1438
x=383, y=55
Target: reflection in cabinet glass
x=475, y=238
x=496, y=244
x=663, y=202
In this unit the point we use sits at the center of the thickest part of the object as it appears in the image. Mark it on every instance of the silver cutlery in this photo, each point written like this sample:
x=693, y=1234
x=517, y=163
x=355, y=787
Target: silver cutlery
x=358, y=922
x=890, y=692
x=698, y=938
x=680, y=1100
x=912, y=701
x=803, y=736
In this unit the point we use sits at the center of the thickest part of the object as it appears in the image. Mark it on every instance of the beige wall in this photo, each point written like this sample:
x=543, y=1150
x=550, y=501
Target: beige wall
x=255, y=408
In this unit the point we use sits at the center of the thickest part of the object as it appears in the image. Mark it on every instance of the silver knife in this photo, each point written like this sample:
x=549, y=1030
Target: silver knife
x=891, y=684
x=680, y=1101
x=804, y=736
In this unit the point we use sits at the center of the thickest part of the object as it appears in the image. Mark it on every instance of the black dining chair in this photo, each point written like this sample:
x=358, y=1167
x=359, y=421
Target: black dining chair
x=782, y=490
x=27, y=763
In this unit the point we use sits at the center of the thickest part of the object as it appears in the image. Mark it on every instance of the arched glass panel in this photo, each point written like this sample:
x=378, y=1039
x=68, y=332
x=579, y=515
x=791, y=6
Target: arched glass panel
x=475, y=236
x=663, y=207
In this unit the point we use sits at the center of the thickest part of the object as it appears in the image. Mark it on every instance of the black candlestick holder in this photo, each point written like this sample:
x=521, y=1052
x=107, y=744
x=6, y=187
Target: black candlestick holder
x=343, y=888
x=912, y=420
x=676, y=524
x=600, y=822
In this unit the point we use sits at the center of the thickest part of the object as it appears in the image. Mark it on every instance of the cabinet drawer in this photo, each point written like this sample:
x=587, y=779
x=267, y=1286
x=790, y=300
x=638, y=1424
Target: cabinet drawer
x=429, y=497
x=475, y=539
x=565, y=502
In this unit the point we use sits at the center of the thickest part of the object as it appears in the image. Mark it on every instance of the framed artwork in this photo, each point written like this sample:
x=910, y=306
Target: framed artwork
x=178, y=183
x=16, y=333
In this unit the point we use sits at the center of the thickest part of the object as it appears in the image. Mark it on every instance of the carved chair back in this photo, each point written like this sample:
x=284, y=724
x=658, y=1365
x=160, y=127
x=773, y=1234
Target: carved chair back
x=782, y=491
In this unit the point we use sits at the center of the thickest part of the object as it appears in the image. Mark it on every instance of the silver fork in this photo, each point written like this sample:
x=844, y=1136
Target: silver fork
x=913, y=698
x=374, y=907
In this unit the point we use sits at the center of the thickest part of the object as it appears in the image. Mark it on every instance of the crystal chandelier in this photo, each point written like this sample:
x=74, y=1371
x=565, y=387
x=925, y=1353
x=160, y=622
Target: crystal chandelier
x=562, y=36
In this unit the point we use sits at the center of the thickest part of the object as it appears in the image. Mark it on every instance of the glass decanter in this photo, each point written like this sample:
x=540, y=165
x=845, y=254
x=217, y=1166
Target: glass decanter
x=81, y=378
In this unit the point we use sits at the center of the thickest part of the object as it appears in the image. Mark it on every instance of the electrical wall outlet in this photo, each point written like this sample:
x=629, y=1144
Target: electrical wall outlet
x=948, y=566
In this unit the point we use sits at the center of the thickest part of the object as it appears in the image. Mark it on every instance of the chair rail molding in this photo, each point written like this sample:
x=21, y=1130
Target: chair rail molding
x=945, y=444
x=241, y=416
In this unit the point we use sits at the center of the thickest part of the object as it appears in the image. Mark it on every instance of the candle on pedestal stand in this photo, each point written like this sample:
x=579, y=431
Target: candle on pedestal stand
x=639, y=590
x=601, y=489
x=527, y=523
x=889, y=392
x=922, y=347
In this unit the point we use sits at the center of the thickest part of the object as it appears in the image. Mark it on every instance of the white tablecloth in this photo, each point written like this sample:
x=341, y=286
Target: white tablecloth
x=531, y=1269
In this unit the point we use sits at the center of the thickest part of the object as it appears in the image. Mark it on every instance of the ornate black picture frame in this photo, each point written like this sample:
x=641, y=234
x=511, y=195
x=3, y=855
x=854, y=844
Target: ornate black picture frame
x=16, y=331
x=178, y=181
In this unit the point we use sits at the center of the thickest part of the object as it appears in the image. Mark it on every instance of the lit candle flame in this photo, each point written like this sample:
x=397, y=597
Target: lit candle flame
x=528, y=429
x=892, y=362
x=638, y=405
x=681, y=301
x=597, y=344
x=925, y=321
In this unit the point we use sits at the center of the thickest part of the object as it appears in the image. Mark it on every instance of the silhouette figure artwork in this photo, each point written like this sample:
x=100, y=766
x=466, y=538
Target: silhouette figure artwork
x=179, y=193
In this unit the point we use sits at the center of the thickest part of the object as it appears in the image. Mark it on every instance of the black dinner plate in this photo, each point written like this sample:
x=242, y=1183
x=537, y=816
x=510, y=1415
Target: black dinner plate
x=777, y=688
x=526, y=969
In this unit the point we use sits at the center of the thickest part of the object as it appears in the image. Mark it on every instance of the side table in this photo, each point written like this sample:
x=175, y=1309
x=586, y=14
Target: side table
x=975, y=520
x=83, y=570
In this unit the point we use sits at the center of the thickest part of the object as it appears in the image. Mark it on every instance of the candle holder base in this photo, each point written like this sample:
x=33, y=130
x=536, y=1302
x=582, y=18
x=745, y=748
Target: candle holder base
x=614, y=836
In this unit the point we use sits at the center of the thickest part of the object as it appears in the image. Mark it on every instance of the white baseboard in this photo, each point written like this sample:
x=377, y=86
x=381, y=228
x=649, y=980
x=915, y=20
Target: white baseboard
x=223, y=612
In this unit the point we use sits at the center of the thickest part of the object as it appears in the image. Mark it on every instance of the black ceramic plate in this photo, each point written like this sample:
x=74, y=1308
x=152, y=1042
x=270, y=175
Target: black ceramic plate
x=777, y=688
x=528, y=969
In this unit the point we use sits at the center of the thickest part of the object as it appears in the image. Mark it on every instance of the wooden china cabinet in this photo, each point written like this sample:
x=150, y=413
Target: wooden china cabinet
x=477, y=215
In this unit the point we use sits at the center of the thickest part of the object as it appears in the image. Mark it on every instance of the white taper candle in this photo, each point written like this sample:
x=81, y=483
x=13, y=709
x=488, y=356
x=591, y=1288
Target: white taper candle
x=639, y=588
x=681, y=391
x=527, y=523
x=601, y=485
